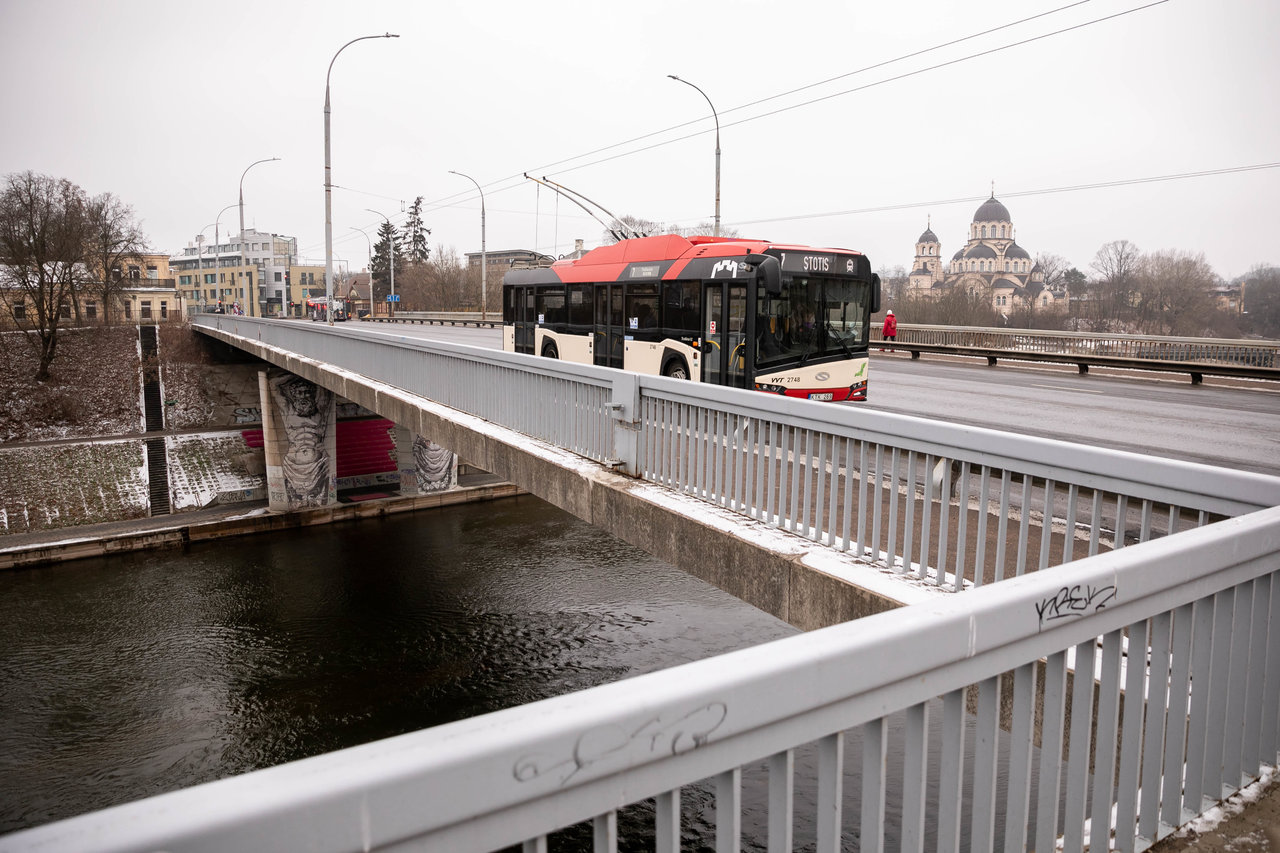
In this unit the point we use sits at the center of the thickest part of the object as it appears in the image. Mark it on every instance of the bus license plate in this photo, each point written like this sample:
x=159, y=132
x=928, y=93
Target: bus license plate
x=825, y=395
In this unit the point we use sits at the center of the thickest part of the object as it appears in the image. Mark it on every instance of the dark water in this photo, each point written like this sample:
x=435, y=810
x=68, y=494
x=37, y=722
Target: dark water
x=126, y=677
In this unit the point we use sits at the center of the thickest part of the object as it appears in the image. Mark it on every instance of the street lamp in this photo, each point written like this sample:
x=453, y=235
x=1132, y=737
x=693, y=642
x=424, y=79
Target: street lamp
x=370, y=244
x=216, y=250
x=200, y=261
x=484, y=266
x=328, y=184
x=717, y=118
x=391, y=254
x=243, y=255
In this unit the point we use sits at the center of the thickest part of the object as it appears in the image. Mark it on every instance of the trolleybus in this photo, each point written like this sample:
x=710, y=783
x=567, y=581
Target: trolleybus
x=792, y=320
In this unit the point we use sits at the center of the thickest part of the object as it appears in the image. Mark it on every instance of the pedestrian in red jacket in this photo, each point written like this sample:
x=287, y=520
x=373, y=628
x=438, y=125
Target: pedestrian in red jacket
x=889, y=331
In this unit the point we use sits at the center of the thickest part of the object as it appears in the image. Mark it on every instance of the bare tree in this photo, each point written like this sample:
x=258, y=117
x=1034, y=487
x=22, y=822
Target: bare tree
x=447, y=281
x=893, y=281
x=1117, y=264
x=114, y=239
x=628, y=224
x=43, y=228
x=955, y=308
x=1175, y=293
x=1261, y=297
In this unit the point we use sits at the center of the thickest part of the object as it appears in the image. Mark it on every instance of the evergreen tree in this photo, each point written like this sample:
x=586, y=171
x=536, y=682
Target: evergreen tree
x=414, y=235
x=387, y=240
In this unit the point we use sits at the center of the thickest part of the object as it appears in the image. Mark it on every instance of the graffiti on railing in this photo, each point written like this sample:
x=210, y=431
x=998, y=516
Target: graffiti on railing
x=657, y=735
x=1073, y=602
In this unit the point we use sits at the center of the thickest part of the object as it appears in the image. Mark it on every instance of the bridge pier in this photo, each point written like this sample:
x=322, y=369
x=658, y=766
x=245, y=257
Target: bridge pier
x=299, y=434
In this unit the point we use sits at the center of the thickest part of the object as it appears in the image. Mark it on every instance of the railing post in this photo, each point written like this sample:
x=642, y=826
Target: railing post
x=624, y=408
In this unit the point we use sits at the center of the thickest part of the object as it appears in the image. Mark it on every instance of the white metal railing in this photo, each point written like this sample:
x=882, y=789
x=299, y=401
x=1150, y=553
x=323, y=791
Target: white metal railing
x=895, y=730
x=1251, y=353
x=954, y=506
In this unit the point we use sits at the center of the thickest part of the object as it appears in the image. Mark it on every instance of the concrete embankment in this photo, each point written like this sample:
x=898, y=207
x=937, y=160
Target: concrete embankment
x=175, y=531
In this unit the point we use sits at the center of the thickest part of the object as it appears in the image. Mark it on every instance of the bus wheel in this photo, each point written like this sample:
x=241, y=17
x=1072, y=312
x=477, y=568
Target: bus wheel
x=676, y=369
x=550, y=351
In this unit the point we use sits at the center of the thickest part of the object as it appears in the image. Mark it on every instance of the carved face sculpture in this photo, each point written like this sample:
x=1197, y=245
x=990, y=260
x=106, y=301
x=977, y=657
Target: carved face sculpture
x=301, y=397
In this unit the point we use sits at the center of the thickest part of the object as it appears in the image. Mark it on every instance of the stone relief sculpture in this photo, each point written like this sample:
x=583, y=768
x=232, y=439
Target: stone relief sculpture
x=305, y=410
x=435, y=465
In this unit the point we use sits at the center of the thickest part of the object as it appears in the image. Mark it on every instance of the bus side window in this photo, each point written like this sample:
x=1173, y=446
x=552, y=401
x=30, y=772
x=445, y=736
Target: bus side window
x=680, y=306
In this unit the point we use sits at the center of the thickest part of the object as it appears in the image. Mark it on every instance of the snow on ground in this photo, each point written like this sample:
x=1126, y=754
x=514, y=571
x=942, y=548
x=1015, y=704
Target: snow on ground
x=48, y=486
x=203, y=466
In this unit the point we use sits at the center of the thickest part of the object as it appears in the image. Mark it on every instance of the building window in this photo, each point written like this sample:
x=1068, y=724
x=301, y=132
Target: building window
x=277, y=276
x=64, y=310
x=128, y=310
x=91, y=310
x=20, y=310
x=146, y=309
x=152, y=272
x=164, y=310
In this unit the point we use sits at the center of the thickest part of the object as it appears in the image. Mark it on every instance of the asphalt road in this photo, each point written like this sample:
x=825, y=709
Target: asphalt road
x=1228, y=423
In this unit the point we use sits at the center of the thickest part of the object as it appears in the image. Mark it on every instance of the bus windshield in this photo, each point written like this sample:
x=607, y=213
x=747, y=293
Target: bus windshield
x=812, y=318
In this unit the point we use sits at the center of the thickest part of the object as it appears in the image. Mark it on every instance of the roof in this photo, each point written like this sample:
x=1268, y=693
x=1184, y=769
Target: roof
x=992, y=211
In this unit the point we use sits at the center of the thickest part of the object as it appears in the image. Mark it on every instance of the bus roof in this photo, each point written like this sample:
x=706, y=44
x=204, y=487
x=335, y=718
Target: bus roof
x=674, y=252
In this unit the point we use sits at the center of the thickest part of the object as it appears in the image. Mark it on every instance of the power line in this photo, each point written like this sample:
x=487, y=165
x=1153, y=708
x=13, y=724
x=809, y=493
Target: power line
x=1016, y=194
x=446, y=201
x=862, y=88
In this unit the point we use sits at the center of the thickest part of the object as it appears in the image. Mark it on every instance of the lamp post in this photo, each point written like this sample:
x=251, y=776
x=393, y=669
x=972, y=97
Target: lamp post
x=370, y=244
x=243, y=255
x=328, y=184
x=717, y=118
x=391, y=256
x=484, y=265
x=216, y=252
x=200, y=261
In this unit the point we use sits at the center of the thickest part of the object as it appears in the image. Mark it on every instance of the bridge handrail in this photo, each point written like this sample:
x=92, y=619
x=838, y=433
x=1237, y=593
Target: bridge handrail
x=887, y=488
x=516, y=775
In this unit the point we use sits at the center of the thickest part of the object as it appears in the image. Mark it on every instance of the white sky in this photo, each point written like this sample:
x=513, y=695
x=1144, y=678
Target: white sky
x=166, y=103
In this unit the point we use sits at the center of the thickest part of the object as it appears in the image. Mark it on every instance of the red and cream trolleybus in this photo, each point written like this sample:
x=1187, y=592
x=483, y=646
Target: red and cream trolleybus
x=791, y=320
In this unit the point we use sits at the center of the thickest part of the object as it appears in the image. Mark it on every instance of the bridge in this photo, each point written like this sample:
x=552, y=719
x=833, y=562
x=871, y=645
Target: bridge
x=956, y=582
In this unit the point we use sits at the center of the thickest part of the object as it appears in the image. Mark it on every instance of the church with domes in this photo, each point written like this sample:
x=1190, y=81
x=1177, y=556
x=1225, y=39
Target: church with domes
x=991, y=264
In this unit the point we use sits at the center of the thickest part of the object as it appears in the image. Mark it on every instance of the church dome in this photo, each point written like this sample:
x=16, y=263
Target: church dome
x=959, y=255
x=992, y=211
x=1016, y=251
x=980, y=251
x=928, y=236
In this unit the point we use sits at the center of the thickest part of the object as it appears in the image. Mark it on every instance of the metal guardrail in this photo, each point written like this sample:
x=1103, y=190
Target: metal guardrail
x=1127, y=754
x=1197, y=357
x=441, y=318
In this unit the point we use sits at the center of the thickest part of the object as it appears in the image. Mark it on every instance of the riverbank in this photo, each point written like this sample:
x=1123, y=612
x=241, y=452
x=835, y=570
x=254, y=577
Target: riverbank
x=24, y=550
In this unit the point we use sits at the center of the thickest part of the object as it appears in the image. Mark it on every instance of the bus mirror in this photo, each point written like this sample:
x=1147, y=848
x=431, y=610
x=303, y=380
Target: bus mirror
x=770, y=270
x=875, y=293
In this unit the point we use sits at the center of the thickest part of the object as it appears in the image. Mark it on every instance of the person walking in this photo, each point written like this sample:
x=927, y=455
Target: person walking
x=889, y=331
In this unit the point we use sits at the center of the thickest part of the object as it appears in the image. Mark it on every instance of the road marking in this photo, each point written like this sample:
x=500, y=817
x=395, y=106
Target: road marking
x=1065, y=388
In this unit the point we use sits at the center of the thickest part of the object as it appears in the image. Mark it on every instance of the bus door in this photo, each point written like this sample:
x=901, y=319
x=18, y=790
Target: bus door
x=524, y=318
x=609, y=331
x=724, y=333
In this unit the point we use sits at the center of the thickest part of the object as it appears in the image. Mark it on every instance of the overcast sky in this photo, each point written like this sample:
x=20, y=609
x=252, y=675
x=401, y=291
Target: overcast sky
x=843, y=124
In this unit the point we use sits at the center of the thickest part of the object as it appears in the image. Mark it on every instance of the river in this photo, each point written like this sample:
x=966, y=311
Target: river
x=133, y=675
